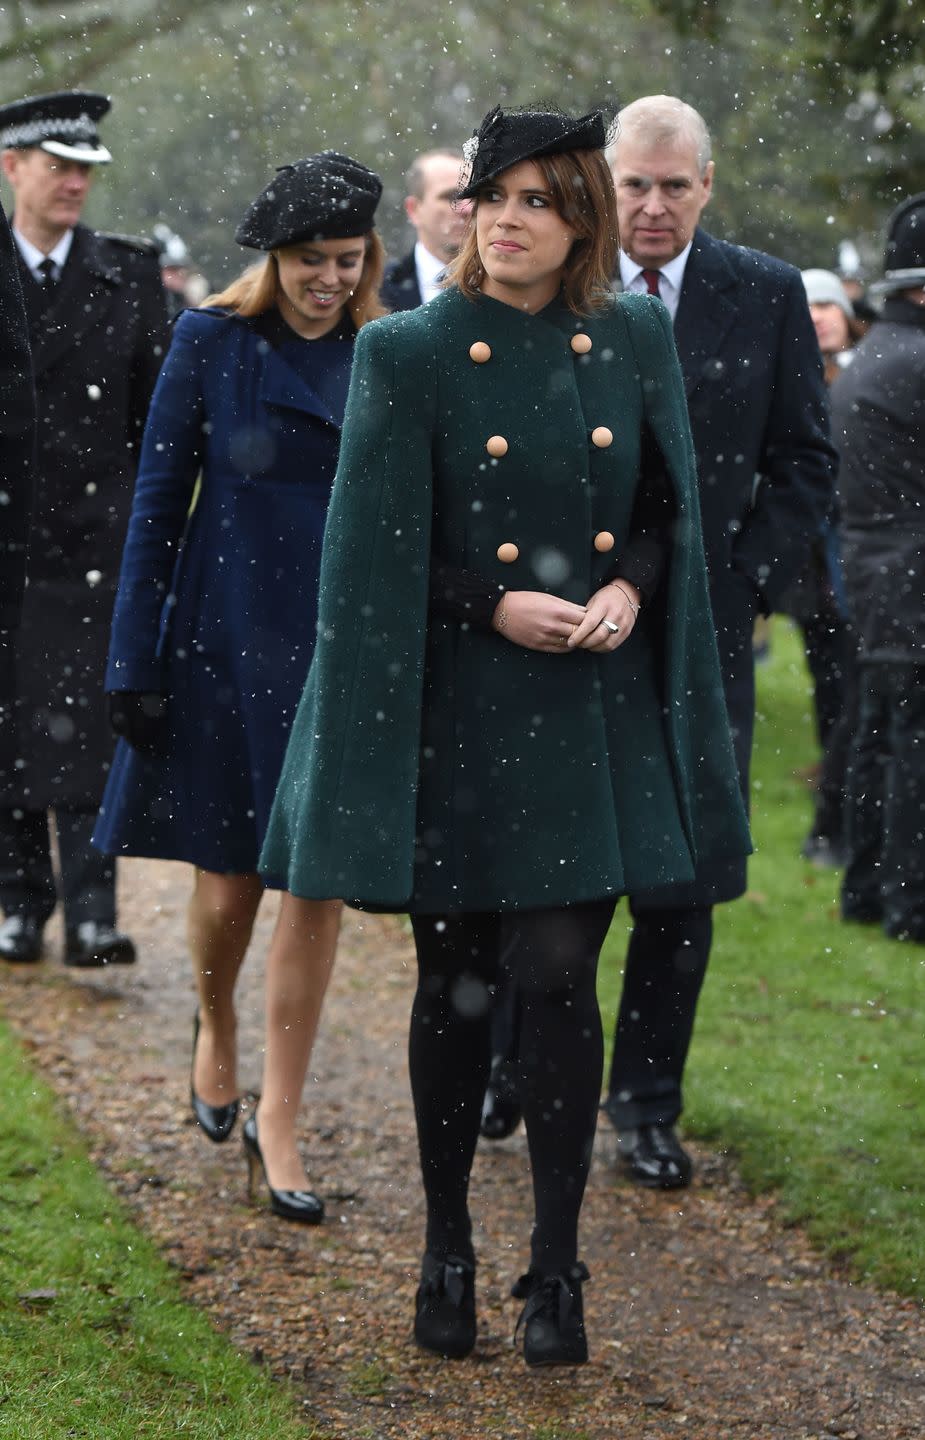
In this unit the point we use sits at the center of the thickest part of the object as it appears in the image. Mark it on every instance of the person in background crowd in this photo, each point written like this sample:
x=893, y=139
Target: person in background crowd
x=210, y=651
x=184, y=284
x=878, y=422
x=816, y=600
x=498, y=734
x=850, y=272
x=17, y=446
x=440, y=220
x=97, y=324
x=757, y=406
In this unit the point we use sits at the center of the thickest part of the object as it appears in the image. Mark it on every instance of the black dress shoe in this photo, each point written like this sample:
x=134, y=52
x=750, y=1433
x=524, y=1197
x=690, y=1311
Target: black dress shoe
x=216, y=1120
x=501, y=1108
x=444, y=1318
x=301, y=1205
x=21, y=940
x=91, y=944
x=553, y=1318
x=654, y=1156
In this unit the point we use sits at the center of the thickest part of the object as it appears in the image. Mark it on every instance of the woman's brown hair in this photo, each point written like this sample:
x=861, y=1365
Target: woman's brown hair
x=257, y=288
x=581, y=186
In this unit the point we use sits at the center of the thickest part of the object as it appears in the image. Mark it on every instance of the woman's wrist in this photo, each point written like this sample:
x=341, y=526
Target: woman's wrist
x=630, y=592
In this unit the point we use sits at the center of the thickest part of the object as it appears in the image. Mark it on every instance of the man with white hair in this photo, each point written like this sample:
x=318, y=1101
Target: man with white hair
x=753, y=377
x=757, y=407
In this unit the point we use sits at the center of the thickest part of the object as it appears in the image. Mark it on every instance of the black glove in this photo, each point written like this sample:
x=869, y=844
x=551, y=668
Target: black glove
x=138, y=716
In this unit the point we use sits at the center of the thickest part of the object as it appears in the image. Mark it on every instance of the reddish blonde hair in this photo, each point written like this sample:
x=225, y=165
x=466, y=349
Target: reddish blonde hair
x=582, y=190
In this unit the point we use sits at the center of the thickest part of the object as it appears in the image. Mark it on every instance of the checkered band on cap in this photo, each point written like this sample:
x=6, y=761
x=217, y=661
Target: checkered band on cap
x=81, y=127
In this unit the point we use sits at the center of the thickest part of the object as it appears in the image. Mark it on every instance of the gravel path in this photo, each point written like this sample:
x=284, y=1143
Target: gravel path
x=707, y=1318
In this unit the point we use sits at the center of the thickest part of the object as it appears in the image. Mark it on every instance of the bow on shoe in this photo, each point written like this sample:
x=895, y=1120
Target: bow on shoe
x=445, y=1279
x=552, y=1318
x=445, y=1307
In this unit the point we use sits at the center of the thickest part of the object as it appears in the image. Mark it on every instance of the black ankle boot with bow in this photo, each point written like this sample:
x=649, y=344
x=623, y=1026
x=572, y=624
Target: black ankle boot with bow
x=445, y=1316
x=553, y=1317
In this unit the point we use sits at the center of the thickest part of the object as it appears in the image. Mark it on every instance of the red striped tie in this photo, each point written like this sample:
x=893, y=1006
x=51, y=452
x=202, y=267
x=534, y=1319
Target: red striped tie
x=651, y=278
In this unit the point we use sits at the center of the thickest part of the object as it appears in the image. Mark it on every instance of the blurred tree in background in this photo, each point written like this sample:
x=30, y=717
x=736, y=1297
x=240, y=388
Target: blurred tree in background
x=817, y=111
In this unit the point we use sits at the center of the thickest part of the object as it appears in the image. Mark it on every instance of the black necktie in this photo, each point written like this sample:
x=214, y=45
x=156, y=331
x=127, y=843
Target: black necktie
x=49, y=273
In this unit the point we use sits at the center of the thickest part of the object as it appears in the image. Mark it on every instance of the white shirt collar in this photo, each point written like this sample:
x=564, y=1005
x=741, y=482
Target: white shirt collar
x=429, y=270
x=34, y=257
x=672, y=277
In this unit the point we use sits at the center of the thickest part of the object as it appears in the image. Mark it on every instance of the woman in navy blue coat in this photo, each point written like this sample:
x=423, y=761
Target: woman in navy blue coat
x=214, y=623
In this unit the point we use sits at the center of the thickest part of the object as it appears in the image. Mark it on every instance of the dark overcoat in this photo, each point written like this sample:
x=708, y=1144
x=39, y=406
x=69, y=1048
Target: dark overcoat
x=438, y=767
x=97, y=348
x=757, y=402
x=400, y=289
x=878, y=415
x=227, y=633
x=17, y=438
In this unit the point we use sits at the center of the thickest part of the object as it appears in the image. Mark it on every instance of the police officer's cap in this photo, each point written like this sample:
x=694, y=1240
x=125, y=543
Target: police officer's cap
x=324, y=197
x=505, y=137
x=63, y=123
x=904, y=260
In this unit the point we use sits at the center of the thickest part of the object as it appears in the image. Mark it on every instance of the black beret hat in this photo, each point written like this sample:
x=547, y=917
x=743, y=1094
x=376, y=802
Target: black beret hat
x=63, y=123
x=324, y=197
x=904, y=260
x=505, y=137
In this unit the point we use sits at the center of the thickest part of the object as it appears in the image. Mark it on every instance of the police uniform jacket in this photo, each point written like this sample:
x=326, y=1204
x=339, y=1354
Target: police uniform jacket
x=226, y=631
x=17, y=435
x=436, y=766
x=97, y=343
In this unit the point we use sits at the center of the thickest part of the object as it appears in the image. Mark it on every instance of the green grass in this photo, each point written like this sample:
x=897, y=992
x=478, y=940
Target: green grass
x=807, y=1061
x=95, y=1340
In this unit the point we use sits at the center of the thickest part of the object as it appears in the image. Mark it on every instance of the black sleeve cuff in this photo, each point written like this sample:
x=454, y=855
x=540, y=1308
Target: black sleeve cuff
x=643, y=558
x=462, y=595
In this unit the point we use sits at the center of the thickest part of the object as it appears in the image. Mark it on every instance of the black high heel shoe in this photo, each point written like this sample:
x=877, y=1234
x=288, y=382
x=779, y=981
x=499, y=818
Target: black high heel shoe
x=302, y=1205
x=216, y=1120
x=444, y=1318
x=553, y=1317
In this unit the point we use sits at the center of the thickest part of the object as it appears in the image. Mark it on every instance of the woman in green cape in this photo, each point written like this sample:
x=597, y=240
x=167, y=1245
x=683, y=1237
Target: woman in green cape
x=514, y=714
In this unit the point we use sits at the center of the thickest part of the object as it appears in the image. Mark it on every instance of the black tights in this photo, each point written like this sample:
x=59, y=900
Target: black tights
x=551, y=956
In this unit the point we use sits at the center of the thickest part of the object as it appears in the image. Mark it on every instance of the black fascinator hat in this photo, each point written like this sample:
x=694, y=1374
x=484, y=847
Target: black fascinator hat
x=324, y=197
x=505, y=137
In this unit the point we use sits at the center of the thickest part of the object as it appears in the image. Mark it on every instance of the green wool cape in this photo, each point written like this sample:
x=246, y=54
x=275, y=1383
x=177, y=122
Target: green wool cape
x=436, y=766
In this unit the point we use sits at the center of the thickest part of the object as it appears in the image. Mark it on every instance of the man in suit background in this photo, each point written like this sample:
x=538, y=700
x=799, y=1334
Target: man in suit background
x=17, y=443
x=97, y=323
x=440, y=221
x=756, y=399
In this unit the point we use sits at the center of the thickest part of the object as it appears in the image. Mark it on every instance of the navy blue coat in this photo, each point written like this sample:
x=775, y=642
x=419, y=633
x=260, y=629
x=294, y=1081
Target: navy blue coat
x=226, y=627
x=758, y=411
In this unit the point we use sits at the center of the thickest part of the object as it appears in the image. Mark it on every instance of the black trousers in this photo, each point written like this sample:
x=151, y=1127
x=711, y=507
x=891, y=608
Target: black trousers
x=831, y=649
x=666, y=962
x=550, y=957
x=885, y=872
x=28, y=885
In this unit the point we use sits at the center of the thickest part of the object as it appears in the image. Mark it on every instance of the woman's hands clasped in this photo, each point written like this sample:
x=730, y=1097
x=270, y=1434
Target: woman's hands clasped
x=608, y=620
x=538, y=621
